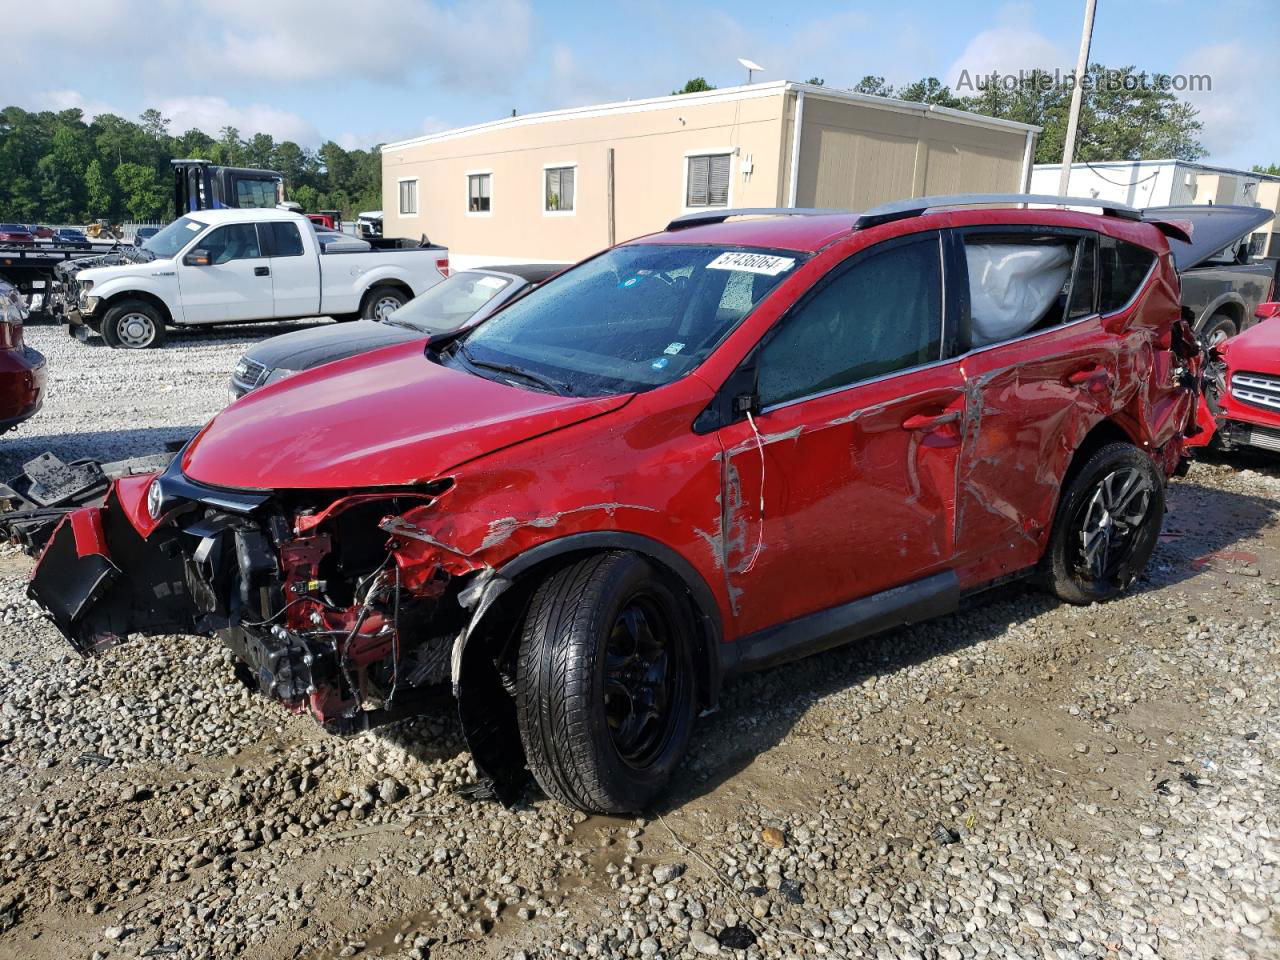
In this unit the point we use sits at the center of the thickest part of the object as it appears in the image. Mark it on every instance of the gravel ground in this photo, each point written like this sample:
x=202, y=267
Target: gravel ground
x=1023, y=779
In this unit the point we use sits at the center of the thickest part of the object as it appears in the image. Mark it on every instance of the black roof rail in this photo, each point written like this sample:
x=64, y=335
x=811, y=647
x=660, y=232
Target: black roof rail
x=915, y=206
x=704, y=217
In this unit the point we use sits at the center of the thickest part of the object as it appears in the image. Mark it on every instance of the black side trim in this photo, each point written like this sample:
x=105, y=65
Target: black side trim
x=176, y=487
x=896, y=607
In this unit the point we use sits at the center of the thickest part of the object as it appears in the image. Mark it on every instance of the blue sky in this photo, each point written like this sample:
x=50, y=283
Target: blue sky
x=364, y=72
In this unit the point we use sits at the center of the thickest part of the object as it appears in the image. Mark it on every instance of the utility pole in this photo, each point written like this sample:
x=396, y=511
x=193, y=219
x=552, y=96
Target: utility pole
x=1073, y=118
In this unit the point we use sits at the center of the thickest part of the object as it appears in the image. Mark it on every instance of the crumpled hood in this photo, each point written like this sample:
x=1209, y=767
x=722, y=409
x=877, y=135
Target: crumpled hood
x=1256, y=350
x=388, y=418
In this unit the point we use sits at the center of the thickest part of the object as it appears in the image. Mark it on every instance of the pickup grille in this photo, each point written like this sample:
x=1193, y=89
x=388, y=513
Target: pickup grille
x=1257, y=390
x=249, y=373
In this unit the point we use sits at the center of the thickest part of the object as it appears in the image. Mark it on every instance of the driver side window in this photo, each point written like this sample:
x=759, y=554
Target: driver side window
x=879, y=315
x=235, y=241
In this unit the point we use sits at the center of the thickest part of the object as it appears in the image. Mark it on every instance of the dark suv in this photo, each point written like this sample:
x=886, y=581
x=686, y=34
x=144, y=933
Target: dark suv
x=710, y=449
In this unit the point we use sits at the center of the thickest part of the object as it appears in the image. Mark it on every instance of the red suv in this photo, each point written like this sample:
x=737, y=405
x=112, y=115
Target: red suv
x=715, y=448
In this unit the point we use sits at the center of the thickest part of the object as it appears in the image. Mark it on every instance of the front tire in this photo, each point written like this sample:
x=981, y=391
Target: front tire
x=133, y=325
x=605, y=683
x=1106, y=526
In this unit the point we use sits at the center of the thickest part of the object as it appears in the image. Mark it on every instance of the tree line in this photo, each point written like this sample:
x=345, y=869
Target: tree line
x=1124, y=114
x=60, y=168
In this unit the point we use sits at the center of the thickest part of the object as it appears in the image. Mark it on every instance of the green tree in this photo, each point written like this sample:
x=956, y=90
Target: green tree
x=1124, y=115
x=930, y=90
x=1272, y=168
x=696, y=85
x=874, y=86
x=60, y=175
x=140, y=190
x=816, y=82
x=99, y=201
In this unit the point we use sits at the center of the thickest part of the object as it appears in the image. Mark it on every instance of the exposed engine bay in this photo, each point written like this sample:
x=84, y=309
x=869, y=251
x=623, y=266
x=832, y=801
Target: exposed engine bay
x=323, y=608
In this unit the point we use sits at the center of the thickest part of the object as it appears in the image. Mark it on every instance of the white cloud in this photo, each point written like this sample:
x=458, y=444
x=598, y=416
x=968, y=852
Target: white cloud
x=211, y=114
x=1233, y=128
x=1012, y=44
x=59, y=100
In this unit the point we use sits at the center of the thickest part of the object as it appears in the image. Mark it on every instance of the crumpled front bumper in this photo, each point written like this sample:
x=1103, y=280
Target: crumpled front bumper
x=99, y=579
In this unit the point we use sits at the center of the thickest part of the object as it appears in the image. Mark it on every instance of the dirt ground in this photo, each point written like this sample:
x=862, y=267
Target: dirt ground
x=1021, y=779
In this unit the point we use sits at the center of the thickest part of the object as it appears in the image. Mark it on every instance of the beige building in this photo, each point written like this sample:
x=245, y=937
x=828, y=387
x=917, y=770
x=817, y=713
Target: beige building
x=561, y=185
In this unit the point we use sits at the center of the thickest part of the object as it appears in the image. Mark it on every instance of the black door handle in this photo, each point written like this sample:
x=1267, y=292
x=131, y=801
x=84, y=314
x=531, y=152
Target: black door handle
x=262, y=271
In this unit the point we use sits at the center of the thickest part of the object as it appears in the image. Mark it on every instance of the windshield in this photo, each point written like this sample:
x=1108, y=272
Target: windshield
x=631, y=319
x=173, y=238
x=448, y=305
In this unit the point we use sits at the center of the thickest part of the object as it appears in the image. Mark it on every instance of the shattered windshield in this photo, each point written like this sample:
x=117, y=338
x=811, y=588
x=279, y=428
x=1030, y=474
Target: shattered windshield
x=631, y=319
x=173, y=238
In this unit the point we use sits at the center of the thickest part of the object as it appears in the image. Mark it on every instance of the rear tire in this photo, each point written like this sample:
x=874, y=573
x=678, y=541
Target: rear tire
x=380, y=302
x=133, y=325
x=1106, y=526
x=605, y=683
x=1218, y=329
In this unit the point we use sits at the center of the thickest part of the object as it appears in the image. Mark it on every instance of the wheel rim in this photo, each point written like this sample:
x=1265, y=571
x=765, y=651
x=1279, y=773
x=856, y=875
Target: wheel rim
x=385, y=307
x=136, y=330
x=640, y=680
x=1111, y=521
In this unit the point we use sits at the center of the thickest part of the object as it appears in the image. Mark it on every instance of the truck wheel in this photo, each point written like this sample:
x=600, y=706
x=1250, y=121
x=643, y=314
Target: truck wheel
x=1106, y=527
x=1218, y=329
x=381, y=302
x=604, y=683
x=133, y=325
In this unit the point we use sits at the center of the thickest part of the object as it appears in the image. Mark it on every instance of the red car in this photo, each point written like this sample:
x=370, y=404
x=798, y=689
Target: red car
x=1241, y=404
x=715, y=448
x=22, y=370
x=16, y=235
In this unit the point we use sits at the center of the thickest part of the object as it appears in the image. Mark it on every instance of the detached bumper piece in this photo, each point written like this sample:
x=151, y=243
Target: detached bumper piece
x=79, y=580
x=34, y=502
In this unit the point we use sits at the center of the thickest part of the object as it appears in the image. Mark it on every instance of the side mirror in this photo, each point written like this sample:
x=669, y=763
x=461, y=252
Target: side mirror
x=197, y=258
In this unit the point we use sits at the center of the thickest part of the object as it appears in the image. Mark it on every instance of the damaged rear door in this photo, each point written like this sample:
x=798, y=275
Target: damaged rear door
x=1041, y=372
x=848, y=487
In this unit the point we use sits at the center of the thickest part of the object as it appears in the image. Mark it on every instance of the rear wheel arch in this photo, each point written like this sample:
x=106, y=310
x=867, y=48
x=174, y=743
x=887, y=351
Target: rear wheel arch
x=380, y=287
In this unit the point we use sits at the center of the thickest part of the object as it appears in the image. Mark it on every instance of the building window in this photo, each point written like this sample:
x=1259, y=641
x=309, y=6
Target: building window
x=707, y=181
x=558, y=195
x=478, y=186
x=408, y=198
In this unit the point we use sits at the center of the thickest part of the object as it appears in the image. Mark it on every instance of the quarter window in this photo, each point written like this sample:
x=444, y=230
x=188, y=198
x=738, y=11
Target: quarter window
x=881, y=314
x=235, y=241
x=559, y=189
x=478, y=192
x=1122, y=268
x=408, y=197
x=1024, y=281
x=707, y=181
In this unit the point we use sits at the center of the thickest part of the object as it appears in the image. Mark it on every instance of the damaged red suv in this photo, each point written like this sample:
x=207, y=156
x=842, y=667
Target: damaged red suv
x=719, y=447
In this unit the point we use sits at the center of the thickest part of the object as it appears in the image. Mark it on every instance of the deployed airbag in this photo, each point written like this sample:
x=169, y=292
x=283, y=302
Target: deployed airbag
x=1012, y=286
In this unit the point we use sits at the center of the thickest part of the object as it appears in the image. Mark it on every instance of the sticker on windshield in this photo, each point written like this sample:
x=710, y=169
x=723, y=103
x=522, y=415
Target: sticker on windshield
x=490, y=283
x=673, y=348
x=195, y=226
x=764, y=263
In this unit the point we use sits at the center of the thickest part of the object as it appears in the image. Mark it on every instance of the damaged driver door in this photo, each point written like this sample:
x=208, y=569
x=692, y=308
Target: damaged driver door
x=844, y=484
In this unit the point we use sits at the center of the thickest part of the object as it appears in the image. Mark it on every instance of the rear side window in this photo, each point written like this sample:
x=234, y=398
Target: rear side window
x=881, y=314
x=1021, y=282
x=1121, y=269
x=281, y=239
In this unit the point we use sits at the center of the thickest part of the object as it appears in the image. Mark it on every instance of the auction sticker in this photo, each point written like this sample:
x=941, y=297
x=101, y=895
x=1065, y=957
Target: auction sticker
x=764, y=263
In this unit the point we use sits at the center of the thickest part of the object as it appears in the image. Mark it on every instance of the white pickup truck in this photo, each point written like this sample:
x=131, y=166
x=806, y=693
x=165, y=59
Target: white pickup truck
x=234, y=266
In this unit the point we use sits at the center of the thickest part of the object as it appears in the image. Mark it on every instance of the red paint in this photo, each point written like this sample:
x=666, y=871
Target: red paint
x=86, y=528
x=853, y=501
x=388, y=418
x=1256, y=351
x=22, y=379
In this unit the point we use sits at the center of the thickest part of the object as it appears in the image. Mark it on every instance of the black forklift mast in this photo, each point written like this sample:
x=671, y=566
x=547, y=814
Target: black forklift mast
x=203, y=185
